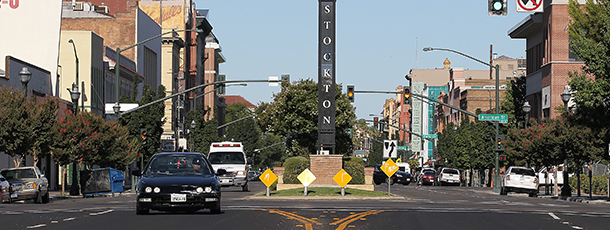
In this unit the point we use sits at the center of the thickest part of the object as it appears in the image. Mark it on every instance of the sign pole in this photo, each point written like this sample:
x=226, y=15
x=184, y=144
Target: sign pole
x=389, y=186
x=267, y=191
x=305, y=191
x=342, y=191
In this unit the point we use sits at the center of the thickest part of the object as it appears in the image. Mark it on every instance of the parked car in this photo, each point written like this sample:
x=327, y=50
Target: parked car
x=403, y=177
x=5, y=195
x=427, y=177
x=379, y=176
x=520, y=180
x=448, y=176
x=178, y=181
x=419, y=175
x=27, y=183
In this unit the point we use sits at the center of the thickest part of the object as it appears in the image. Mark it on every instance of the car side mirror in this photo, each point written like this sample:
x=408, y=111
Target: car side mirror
x=220, y=172
x=136, y=172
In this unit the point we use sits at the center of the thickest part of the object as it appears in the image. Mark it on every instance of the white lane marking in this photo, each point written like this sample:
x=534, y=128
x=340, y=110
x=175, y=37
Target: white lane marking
x=554, y=216
x=37, y=226
x=576, y=227
x=100, y=213
x=54, y=222
x=69, y=219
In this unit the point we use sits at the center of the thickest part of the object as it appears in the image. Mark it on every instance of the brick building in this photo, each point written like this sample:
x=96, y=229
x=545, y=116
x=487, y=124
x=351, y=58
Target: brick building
x=549, y=59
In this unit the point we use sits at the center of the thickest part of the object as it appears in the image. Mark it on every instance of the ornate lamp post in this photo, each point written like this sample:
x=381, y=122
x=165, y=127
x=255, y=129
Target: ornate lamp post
x=566, y=190
x=527, y=108
x=25, y=77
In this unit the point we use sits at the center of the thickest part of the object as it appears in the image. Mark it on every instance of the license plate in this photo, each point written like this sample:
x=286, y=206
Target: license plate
x=178, y=197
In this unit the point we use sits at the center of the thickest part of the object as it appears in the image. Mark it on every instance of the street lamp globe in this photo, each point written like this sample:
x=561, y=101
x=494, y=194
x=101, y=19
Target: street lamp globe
x=527, y=107
x=116, y=108
x=74, y=92
x=193, y=124
x=25, y=75
x=566, y=95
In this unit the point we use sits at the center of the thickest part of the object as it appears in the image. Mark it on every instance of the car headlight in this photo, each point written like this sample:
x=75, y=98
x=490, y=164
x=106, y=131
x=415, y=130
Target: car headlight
x=207, y=189
x=199, y=190
x=148, y=189
x=157, y=190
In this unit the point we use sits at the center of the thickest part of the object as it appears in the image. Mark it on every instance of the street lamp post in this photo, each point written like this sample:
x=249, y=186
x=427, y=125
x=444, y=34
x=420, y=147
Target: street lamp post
x=25, y=77
x=527, y=108
x=496, y=181
x=74, y=95
x=566, y=190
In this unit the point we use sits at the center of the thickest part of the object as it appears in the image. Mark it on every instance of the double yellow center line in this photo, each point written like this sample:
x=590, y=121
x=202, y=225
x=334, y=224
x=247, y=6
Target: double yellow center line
x=309, y=222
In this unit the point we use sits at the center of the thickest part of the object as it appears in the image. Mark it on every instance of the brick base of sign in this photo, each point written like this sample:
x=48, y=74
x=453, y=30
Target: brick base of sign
x=325, y=167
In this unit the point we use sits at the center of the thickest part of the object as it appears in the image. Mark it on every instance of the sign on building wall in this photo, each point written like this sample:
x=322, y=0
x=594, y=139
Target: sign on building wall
x=417, y=116
x=23, y=23
x=167, y=13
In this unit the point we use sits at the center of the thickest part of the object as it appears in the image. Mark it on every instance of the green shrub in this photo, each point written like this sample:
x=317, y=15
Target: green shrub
x=293, y=167
x=600, y=183
x=355, y=169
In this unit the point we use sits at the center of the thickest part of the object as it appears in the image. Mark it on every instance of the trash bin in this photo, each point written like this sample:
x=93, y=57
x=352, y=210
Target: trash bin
x=101, y=181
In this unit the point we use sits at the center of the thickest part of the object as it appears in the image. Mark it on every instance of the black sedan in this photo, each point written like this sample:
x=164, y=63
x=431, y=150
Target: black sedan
x=400, y=177
x=178, y=181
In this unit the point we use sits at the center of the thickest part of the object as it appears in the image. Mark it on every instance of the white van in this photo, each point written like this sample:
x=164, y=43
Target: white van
x=230, y=156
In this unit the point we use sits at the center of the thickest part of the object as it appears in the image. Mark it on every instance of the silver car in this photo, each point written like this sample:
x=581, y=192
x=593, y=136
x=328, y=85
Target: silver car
x=27, y=183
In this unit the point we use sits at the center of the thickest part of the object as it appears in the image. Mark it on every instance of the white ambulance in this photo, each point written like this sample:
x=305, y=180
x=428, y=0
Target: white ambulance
x=230, y=156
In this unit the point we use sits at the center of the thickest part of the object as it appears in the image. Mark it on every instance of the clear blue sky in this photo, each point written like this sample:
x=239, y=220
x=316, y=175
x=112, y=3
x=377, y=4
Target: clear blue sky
x=378, y=42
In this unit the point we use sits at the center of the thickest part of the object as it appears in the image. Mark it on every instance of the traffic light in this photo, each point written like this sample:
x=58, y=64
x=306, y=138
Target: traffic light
x=502, y=157
x=143, y=135
x=497, y=7
x=350, y=93
x=407, y=94
x=500, y=143
x=286, y=78
x=375, y=121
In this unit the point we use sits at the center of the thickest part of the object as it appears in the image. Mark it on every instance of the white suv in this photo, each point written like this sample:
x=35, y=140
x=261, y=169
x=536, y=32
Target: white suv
x=521, y=180
x=449, y=176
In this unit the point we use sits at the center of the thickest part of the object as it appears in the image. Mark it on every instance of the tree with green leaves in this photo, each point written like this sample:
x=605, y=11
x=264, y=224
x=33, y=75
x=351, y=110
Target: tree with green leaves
x=150, y=118
x=245, y=131
x=25, y=125
x=588, y=30
x=294, y=114
x=205, y=131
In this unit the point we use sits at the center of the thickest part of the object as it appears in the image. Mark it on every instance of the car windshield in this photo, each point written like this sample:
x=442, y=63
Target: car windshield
x=520, y=171
x=19, y=173
x=450, y=171
x=428, y=172
x=178, y=164
x=227, y=158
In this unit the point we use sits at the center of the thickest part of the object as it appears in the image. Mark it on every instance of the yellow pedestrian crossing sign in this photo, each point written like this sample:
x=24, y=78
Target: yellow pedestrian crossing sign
x=389, y=167
x=268, y=177
x=342, y=178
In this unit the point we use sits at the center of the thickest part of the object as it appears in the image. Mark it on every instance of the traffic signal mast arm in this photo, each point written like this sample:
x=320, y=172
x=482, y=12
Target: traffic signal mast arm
x=189, y=90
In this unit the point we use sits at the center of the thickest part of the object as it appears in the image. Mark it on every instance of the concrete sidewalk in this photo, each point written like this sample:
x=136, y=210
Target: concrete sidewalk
x=596, y=199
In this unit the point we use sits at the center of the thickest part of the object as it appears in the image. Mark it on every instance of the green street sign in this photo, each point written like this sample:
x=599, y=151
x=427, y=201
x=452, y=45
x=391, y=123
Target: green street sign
x=401, y=147
x=502, y=118
x=430, y=136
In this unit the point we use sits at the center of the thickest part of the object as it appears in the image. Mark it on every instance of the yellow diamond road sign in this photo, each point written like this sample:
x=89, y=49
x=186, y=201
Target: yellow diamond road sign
x=268, y=177
x=342, y=178
x=306, y=177
x=389, y=167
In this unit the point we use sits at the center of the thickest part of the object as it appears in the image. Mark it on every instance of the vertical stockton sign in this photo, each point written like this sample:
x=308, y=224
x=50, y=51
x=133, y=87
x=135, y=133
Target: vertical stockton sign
x=326, y=76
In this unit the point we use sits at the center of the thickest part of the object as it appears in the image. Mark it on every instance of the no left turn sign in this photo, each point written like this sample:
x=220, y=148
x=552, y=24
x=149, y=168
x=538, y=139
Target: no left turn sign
x=529, y=6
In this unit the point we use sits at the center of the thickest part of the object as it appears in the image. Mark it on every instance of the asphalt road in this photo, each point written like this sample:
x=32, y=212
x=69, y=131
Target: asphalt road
x=415, y=207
